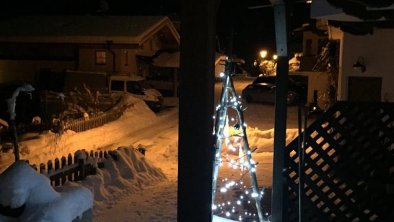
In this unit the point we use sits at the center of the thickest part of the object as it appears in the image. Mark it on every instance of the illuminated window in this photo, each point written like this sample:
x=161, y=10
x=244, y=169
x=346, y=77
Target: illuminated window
x=101, y=57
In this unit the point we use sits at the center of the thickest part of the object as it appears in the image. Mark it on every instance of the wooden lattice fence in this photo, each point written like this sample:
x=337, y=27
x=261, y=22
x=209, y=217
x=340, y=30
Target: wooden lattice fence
x=349, y=165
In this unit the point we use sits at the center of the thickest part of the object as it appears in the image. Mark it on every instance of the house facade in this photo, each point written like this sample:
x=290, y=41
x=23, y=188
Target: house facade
x=104, y=44
x=366, y=50
x=373, y=51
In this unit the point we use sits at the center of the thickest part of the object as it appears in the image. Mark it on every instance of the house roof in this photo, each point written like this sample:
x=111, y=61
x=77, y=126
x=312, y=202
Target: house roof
x=83, y=29
x=356, y=17
x=353, y=11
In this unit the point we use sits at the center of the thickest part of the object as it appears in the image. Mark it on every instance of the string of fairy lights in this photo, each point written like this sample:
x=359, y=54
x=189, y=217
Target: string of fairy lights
x=233, y=197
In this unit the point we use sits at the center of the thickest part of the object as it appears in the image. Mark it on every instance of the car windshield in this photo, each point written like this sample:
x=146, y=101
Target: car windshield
x=134, y=87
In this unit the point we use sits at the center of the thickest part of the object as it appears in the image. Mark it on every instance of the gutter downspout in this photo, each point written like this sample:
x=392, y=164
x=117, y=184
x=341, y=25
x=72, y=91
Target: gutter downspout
x=108, y=46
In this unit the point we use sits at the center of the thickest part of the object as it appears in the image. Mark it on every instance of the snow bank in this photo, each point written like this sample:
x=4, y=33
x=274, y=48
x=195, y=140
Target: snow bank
x=40, y=148
x=129, y=174
x=264, y=140
x=20, y=185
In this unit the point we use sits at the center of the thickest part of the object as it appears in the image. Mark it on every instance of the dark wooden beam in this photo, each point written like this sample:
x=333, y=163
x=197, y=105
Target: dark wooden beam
x=279, y=185
x=195, y=154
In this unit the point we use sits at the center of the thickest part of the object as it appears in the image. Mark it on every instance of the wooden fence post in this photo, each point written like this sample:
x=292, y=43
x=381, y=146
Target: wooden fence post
x=63, y=165
x=42, y=168
x=57, y=167
x=69, y=163
x=81, y=169
x=50, y=168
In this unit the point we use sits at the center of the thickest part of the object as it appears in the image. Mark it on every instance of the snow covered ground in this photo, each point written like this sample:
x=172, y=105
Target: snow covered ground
x=152, y=197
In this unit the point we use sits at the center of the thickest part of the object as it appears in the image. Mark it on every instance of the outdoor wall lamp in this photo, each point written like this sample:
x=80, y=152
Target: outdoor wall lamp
x=360, y=64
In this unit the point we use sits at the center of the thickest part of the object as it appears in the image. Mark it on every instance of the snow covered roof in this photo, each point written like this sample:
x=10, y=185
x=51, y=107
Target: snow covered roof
x=83, y=29
x=322, y=9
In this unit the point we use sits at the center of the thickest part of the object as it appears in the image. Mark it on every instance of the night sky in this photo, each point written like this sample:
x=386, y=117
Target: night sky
x=250, y=30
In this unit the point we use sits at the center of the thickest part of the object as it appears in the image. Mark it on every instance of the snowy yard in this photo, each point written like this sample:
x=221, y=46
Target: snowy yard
x=146, y=197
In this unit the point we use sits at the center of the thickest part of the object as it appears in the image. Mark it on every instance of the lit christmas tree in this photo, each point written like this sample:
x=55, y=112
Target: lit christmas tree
x=233, y=196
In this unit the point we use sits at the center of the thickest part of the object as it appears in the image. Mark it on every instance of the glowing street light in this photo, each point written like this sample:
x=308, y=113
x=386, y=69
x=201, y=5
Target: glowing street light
x=263, y=53
x=275, y=57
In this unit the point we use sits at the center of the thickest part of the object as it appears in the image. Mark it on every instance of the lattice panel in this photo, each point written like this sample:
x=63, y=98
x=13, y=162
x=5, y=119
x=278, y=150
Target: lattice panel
x=349, y=165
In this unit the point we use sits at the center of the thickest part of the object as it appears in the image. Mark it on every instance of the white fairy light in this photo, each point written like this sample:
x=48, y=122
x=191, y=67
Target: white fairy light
x=235, y=154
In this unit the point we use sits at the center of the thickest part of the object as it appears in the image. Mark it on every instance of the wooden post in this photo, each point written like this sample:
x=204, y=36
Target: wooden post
x=69, y=163
x=57, y=167
x=195, y=156
x=279, y=185
x=42, y=168
x=81, y=169
x=63, y=165
x=49, y=169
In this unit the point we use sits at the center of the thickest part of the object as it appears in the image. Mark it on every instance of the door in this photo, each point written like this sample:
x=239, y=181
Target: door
x=364, y=89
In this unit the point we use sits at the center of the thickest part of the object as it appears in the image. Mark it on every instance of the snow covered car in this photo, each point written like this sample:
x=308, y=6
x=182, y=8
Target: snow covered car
x=134, y=85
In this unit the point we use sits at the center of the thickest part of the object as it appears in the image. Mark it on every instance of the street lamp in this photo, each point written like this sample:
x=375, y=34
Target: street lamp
x=263, y=54
x=275, y=57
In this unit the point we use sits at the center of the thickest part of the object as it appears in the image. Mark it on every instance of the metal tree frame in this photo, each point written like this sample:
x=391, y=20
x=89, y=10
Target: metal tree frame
x=228, y=99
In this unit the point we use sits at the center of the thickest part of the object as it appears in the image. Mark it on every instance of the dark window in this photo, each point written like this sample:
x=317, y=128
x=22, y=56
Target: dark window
x=308, y=47
x=117, y=85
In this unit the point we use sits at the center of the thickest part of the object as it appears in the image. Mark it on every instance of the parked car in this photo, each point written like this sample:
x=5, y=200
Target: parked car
x=297, y=87
x=135, y=85
x=265, y=93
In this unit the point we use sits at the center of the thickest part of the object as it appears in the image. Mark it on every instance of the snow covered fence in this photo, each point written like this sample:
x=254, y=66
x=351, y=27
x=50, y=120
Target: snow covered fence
x=86, y=123
x=74, y=167
x=78, y=166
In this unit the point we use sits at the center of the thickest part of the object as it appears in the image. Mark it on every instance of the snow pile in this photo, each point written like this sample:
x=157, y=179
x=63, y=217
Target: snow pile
x=20, y=186
x=129, y=174
x=264, y=140
x=40, y=148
